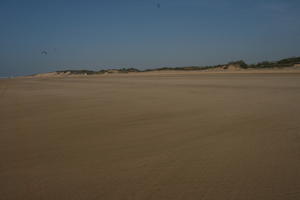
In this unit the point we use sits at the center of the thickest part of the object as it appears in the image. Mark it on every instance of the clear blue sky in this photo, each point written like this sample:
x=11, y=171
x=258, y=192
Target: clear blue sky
x=136, y=33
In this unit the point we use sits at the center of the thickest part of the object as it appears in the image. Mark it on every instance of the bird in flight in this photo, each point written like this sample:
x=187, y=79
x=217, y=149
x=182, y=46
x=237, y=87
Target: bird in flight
x=44, y=52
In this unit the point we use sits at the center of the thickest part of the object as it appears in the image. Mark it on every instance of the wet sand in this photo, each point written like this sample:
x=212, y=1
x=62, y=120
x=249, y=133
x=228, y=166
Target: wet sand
x=151, y=136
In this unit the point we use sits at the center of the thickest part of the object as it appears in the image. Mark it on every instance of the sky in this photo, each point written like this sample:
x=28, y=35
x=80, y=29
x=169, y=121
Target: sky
x=43, y=36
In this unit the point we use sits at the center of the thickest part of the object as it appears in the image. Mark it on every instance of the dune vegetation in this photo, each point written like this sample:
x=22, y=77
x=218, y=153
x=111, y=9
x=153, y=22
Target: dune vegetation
x=287, y=62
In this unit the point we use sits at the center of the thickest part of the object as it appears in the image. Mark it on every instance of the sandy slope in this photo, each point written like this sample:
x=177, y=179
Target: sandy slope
x=151, y=136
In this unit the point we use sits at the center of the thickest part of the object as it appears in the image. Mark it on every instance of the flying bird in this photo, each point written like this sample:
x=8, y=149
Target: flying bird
x=44, y=52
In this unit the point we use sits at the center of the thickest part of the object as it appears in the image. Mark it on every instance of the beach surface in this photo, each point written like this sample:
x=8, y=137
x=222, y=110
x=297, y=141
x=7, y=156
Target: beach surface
x=154, y=136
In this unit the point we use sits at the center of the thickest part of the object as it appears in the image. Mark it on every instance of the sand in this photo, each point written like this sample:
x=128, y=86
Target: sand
x=151, y=136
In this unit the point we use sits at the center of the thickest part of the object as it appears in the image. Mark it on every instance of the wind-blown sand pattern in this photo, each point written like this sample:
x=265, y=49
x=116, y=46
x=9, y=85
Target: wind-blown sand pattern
x=153, y=136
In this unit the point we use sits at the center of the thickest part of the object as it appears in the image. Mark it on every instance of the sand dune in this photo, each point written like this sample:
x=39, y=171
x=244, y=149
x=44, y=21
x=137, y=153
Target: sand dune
x=151, y=136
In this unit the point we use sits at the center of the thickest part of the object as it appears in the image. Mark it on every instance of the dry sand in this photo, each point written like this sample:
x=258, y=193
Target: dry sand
x=151, y=136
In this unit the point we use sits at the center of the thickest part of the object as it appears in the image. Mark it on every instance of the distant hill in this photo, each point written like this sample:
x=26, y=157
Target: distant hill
x=231, y=66
x=236, y=65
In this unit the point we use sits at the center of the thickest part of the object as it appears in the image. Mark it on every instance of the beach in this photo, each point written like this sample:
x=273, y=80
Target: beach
x=151, y=136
